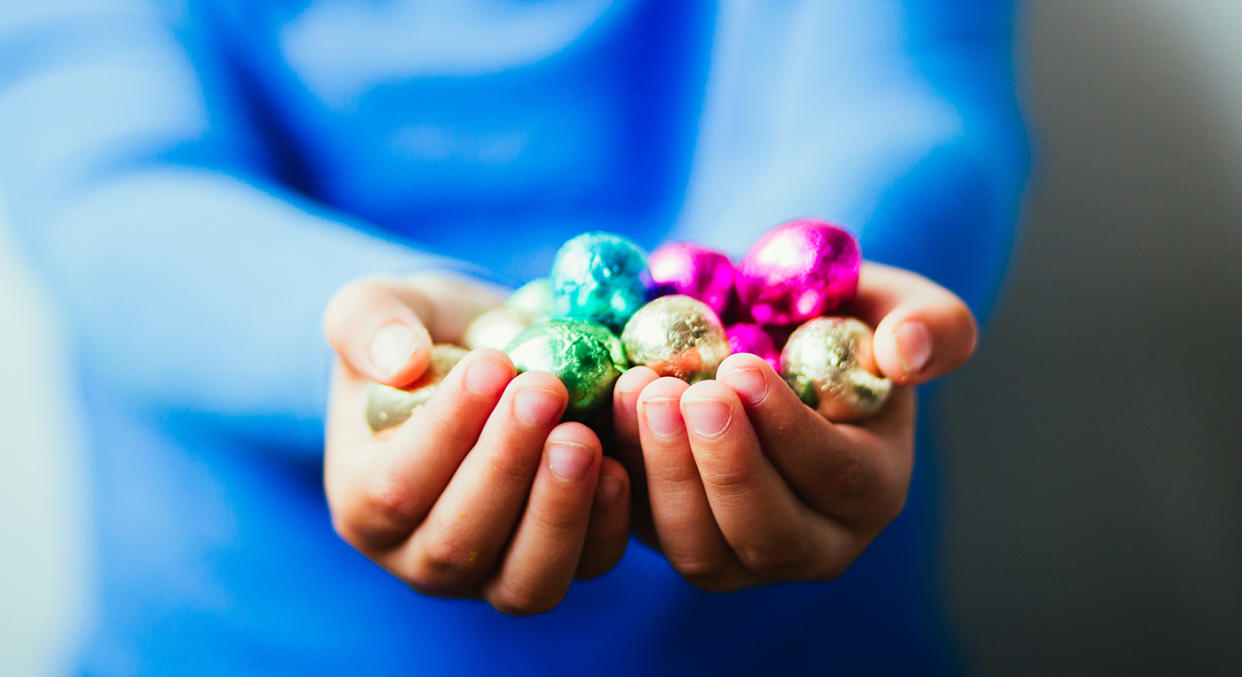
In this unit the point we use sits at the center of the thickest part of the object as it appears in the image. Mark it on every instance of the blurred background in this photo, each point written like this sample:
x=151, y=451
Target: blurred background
x=1092, y=515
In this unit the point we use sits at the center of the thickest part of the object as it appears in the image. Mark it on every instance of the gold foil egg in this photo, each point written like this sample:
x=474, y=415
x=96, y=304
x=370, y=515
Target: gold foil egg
x=829, y=363
x=387, y=407
x=677, y=336
x=495, y=328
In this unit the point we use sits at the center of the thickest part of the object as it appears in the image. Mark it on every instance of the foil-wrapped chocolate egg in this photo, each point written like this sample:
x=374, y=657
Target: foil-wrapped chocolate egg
x=830, y=365
x=495, y=328
x=697, y=272
x=580, y=354
x=677, y=336
x=753, y=339
x=797, y=271
x=599, y=277
x=534, y=298
x=387, y=407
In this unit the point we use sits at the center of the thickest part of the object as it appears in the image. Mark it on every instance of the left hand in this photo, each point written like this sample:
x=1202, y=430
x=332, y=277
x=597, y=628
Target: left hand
x=746, y=485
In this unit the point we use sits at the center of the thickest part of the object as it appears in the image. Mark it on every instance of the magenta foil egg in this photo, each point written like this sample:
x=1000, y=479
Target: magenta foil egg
x=751, y=338
x=690, y=270
x=798, y=270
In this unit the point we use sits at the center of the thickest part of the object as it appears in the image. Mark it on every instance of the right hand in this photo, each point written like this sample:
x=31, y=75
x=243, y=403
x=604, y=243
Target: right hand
x=481, y=493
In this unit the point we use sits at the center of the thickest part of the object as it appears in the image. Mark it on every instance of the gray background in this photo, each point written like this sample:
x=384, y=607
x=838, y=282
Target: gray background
x=1092, y=515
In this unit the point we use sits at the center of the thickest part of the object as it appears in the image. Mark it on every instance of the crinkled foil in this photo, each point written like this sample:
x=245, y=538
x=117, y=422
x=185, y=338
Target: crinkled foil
x=828, y=363
x=677, y=336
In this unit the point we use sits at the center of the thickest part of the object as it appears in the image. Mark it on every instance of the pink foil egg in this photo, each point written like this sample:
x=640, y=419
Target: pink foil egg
x=751, y=338
x=798, y=270
x=690, y=270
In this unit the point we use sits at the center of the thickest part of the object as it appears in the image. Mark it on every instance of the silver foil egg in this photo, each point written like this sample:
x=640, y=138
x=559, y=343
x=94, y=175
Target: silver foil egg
x=676, y=336
x=388, y=407
x=828, y=361
x=495, y=328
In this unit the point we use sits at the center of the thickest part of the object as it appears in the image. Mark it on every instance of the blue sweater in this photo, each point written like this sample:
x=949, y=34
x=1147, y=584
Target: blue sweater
x=195, y=177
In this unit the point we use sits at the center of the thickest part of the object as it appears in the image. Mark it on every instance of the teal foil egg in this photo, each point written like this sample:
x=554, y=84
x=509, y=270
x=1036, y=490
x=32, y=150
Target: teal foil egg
x=582, y=355
x=600, y=277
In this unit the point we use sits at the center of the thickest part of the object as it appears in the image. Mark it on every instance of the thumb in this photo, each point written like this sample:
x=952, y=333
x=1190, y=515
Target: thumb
x=376, y=327
x=922, y=330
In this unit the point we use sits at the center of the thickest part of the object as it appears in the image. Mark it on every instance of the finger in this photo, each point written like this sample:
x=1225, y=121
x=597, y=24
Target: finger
x=830, y=471
x=889, y=438
x=625, y=410
x=628, y=448
x=774, y=535
x=682, y=517
x=464, y=534
x=540, y=563
x=381, y=492
x=922, y=330
x=609, y=531
x=378, y=331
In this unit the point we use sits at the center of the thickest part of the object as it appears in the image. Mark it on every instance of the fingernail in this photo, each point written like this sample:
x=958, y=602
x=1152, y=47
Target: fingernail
x=569, y=461
x=487, y=377
x=627, y=398
x=748, y=383
x=391, y=348
x=536, y=407
x=914, y=346
x=708, y=418
x=609, y=489
x=663, y=417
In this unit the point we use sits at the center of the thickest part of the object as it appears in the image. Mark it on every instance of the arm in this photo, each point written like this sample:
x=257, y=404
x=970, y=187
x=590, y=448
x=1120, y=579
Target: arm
x=150, y=202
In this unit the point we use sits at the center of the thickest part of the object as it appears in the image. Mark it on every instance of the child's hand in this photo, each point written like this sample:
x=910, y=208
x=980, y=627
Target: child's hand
x=746, y=485
x=480, y=493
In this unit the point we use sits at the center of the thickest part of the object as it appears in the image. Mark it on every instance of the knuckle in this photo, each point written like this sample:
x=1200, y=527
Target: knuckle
x=521, y=601
x=507, y=468
x=774, y=556
x=707, y=573
x=446, y=562
x=834, y=569
x=729, y=476
x=390, y=500
x=557, y=517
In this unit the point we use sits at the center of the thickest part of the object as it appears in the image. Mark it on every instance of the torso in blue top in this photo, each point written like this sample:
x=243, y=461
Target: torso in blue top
x=199, y=163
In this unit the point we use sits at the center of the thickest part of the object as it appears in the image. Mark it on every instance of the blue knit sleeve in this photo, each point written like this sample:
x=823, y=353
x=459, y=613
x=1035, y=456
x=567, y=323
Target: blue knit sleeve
x=151, y=203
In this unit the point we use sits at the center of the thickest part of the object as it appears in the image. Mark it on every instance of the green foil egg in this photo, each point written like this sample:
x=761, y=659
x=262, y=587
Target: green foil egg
x=599, y=277
x=828, y=362
x=534, y=298
x=495, y=328
x=677, y=336
x=578, y=353
x=388, y=407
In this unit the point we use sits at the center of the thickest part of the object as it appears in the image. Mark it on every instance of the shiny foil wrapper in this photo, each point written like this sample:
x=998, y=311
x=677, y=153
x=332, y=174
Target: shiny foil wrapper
x=599, y=277
x=798, y=271
x=582, y=355
x=830, y=365
x=677, y=336
x=387, y=407
x=496, y=328
x=694, y=271
x=753, y=339
x=533, y=298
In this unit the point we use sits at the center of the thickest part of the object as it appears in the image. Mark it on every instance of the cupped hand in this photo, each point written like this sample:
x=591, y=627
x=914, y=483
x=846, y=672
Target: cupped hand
x=740, y=484
x=481, y=493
